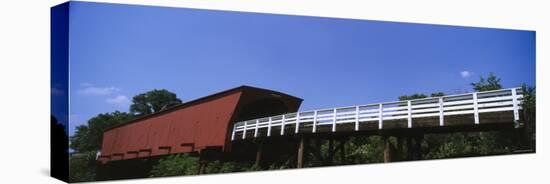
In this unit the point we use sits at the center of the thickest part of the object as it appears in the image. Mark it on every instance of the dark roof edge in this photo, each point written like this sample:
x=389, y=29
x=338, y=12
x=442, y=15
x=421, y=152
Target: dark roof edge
x=188, y=103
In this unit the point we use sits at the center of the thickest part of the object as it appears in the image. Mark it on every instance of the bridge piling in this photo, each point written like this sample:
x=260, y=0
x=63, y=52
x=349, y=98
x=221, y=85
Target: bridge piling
x=418, y=146
x=387, y=149
x=301, y=147
x=331, y=151
x=409, y=145
x=259, y=153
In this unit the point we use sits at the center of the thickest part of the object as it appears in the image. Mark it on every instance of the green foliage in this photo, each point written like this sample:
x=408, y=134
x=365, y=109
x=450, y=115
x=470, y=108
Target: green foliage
x=492, y=83
x=528, y=116
x=184, y=164
x=437, y=94
x=175, y=165
x=153, y=101
x=529, y=103
x=227, y=167
x=82, y=167
x=364, y=150
x=466, y=144
x=254, y=167
x=413, y=96
x=89, y=137
x=223, y=167
x=419, y=95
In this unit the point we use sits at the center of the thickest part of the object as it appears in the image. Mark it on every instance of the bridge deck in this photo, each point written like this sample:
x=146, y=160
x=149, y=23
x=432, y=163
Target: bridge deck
x=461, y=109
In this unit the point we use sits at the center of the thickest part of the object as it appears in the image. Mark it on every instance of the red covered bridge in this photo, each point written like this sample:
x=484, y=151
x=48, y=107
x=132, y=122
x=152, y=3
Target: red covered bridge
x=195, y=126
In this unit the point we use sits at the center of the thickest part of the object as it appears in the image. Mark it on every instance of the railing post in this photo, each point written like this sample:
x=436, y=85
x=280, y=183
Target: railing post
x=283, y=125
x=356, y=118
x=297, y=122
x=269, y=127
x=244, y=130
x=476, y=112
x=233, y=133
x=314, y=121
x=409, y=114
x=441, y=118
x=256, y=128
x=334, y=120
x=515, y=104
x=380, y=114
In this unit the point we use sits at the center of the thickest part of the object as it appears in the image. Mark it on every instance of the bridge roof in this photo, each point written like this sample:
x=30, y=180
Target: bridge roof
x=200, y=100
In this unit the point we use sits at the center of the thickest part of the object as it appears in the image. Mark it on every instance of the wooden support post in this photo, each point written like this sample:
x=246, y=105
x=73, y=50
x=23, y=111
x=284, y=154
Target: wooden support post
x=387, y=149
x=515, y=107
x=380, y=116
x=476, y=111
x=441, y=115
x=357, y=118
x=330, y=151
x=259, y=153
x=418, y=147
x=300, y=161
x=200, y=169
x=199, y=163
x=409, y=148
x=205, y=164
x=297, y=123
x=409, y=114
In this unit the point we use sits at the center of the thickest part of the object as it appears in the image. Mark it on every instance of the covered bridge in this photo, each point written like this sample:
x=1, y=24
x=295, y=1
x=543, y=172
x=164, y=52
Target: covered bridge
x=195, y=126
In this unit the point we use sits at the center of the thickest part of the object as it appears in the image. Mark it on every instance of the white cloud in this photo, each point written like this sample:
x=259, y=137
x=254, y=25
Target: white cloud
x=465, y=74
x=88, y=89
x=118, y=100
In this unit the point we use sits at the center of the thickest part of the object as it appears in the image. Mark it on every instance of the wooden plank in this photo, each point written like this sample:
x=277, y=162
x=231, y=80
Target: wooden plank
x=283, y=125
x=244, y=130
x=334, y=120
x=409, y=114
x=300, y=161
x=256, y=128
x=356, y=118
x=441, y=115
x=387, y=149
x=269, y=127
x=476, y=112
x=259, y=153
x=380, y=116
x=314, y=121
x=297, y=122
x=234, y=131
x=515, y=104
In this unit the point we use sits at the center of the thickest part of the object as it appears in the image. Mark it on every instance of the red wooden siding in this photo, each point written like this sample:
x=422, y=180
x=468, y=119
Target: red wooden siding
x=190, y=127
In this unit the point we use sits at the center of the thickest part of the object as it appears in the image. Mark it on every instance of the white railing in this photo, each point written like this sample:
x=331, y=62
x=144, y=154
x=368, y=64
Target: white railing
x=461, y=104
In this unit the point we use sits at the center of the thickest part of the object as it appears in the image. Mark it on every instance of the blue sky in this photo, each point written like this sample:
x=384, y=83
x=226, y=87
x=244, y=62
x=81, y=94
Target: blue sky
x=118, y=51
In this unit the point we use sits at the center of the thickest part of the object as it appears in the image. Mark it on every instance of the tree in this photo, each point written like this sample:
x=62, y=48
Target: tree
x=492, y=83
x=153, y=101
x=437, y=94
x=413, y=96
x=419, y=95
x=59, y=150
x=529, y=116
x=494, y=142
x=89, y=137
x=82, y=167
